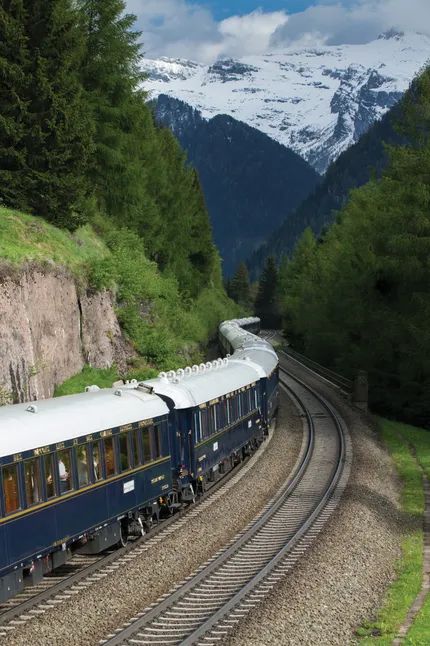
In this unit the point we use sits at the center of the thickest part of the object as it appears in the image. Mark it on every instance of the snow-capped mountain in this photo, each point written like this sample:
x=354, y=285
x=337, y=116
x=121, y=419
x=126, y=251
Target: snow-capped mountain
x=317, y=101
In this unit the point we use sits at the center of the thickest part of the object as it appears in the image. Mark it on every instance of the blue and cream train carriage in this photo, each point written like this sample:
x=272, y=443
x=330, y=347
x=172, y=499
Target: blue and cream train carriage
x=82, y=471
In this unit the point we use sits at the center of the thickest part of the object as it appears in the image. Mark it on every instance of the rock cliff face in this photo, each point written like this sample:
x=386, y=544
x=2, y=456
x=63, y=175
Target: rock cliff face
x=49, y=330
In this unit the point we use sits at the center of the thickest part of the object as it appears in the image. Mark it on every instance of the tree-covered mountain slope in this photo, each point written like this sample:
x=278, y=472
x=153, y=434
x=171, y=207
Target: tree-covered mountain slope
x=352, y=169
x=359, y=297
x=250, y=182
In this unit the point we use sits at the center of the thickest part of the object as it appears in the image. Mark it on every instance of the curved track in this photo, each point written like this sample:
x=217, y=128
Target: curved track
x=204, y=607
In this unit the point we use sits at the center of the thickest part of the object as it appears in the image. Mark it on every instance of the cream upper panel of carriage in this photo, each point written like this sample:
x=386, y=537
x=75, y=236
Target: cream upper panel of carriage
x=208, y=383
x=65, y=418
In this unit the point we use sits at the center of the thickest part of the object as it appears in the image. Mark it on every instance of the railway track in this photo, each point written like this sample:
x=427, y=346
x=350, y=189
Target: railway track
x=85, y=570
x=205, y=607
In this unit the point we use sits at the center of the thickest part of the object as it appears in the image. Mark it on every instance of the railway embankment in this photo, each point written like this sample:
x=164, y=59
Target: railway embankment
x=344, y=579
x=99, y=608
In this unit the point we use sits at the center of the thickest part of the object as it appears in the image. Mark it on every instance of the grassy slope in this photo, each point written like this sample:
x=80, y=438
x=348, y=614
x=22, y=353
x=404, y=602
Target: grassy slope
x=167, y=329
x=24, y=238
x=399, y=438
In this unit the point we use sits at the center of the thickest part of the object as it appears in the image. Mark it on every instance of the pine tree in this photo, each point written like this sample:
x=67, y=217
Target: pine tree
x=240, y=290
x=58, y=132
x=266, y=304
x=111, y=76
x=13, y=105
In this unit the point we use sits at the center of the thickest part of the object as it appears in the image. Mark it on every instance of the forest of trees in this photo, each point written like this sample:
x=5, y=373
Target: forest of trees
x=359, y=296
x=77, y=139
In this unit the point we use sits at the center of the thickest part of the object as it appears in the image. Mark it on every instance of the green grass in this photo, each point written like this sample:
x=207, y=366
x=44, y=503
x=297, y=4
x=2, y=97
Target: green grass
x=103, y=378
x=419, y=634
x=407, y=585
x=25, y=238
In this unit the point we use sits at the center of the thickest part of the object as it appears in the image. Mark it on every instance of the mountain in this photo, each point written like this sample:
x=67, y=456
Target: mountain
x=352, y=169
x=250, y=182
x=316, y=101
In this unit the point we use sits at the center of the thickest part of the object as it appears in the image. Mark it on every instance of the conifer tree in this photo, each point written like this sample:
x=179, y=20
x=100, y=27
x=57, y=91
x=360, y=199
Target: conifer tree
x=13, y=105
x=240, y=290
x=266, y=304
x=58, y=132
x=111, y=76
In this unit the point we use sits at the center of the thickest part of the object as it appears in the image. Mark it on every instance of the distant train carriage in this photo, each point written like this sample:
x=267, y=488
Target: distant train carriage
x=105, y=454
x=217, y=414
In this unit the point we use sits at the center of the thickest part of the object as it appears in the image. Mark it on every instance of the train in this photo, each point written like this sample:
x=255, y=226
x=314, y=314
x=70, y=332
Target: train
x=85, y=472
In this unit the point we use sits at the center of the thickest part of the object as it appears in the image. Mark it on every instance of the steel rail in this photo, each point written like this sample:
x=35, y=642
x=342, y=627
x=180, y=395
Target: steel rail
x=207, y=604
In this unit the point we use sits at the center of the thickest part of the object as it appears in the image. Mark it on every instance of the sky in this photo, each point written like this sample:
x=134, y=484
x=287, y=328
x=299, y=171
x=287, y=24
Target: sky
x=205, y=30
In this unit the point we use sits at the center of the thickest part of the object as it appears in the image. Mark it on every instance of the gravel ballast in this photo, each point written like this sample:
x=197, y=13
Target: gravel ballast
x=102, y=607
x=343, y=577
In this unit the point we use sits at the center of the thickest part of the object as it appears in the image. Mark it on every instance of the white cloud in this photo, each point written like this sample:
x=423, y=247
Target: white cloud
x=358, y=21
x=178, y=29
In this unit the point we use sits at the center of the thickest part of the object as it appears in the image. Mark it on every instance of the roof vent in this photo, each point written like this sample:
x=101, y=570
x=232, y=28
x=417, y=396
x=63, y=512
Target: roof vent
x=91, y=389
x=145, y=387
x=32, y=408
x=118, y=393
x=188, y=371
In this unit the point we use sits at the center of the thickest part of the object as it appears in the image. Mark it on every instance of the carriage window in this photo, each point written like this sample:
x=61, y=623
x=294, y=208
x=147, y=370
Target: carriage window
x=146, y=445
x=123, y=450
x=212, y=420
x=10, y=488
x=65, y=470
x=33, y=491
x=135, y=447
x=96, y=461
x=204, y=429
x=82, y=460
x=49, y=475
x=197, y=429
x=109, y=457
x=155, y=442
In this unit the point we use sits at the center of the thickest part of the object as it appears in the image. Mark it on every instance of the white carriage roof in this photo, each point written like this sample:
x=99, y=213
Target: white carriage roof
x=65, y=418
x=206, y=384
x=265, y=358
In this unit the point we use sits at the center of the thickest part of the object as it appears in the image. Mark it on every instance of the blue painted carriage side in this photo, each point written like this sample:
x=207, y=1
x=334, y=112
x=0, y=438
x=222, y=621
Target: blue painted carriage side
x=220, y=446
x=30, y=532
x=70, y=516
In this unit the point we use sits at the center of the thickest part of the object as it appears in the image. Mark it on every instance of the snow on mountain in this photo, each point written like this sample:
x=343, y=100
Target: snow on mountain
x=317, y=101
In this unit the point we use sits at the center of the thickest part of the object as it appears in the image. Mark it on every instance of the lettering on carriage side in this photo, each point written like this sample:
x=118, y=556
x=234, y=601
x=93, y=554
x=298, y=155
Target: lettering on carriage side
x=250, y=423
x=202, y=457
x=17, y=457
x=213, y=401
x=106, y=433
x=41, y=450
x=145, y=422
x=60, y=446
x=164, y=487
x=215, y=446
x=157, y=479
x=127, y=427
x=128, y=486
x=89, y=438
